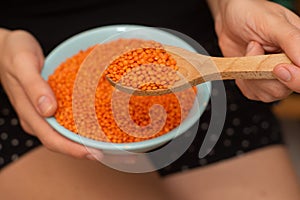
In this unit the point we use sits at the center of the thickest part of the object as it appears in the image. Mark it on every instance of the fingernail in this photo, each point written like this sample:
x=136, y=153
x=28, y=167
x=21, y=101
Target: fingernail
x=283, y=74
x=44, y=105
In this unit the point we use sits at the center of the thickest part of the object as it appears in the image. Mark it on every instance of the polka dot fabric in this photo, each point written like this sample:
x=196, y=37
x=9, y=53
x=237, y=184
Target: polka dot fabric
x=14, y=141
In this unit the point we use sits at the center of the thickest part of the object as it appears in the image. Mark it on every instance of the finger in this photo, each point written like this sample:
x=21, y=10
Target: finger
x=246, y=90
x=263, y=90
x=35, y=87
x=254, y=48
x=289, y=75
x=269, y=90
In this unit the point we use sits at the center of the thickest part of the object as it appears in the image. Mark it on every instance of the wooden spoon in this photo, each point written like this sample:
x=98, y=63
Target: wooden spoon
x=197, y=69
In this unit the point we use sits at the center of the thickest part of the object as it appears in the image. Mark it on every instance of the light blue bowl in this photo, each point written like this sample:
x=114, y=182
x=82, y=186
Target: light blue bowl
x=94, y=36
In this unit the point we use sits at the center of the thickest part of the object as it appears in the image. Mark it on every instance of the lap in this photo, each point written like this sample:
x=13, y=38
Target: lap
x=265, y=173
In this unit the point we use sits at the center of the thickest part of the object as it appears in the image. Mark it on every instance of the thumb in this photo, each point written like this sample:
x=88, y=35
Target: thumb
x=254, y=48
x=289, y=75
x=35, y=87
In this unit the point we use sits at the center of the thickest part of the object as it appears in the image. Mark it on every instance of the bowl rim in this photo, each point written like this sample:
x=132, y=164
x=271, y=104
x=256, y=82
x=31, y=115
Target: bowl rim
x=179, y=130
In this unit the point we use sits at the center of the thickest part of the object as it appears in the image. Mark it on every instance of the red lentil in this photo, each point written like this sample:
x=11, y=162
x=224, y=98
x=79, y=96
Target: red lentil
x=145, y=69
x=62, y=82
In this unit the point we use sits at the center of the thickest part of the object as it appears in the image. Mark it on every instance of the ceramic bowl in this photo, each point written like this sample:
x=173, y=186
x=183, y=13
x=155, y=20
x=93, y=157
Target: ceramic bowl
x=103, y=34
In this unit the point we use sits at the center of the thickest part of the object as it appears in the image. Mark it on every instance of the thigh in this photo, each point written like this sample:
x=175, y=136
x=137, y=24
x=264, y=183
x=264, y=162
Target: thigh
x=41, y=174
x=266, y=173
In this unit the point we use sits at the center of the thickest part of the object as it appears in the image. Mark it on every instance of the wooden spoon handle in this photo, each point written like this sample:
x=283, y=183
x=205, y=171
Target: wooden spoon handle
x=249, y=67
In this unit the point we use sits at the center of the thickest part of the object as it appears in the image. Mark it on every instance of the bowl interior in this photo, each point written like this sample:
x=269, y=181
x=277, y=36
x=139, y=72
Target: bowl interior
x=104, y=34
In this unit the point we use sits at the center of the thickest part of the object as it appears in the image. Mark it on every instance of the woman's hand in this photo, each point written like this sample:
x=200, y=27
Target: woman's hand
x=253, y=27
x=21, y=60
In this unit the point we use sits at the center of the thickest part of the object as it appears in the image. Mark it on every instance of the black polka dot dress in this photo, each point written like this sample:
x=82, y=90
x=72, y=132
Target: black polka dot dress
x=14, y=141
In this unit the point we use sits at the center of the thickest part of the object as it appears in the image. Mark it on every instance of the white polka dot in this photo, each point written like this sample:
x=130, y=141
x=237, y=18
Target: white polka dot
x=236, y=122
x=227, y=143
x=229, y=131
x=2, y=121
x=233, y=107
x=14, y=142
x=4, y=136
x=265, y=125
x=14, y=157
x=14, y=122
x=28, y=143
x=5, y=111
x=202, y=161
x=245, y=143
x=2, y=161
x=204, y=126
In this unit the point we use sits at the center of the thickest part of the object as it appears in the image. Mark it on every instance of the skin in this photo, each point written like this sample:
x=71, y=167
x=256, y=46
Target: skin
x=43, y=174
x=253, y=32
x=249, y=177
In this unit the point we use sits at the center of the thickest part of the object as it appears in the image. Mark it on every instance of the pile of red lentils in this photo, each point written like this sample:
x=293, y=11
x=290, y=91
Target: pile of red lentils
x=145, y=69
x=144, y=59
